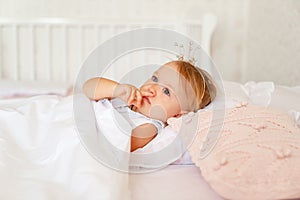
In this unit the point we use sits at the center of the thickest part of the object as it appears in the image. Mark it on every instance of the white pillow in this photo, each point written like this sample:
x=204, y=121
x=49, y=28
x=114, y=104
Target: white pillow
x=286, y=98
x=12, y=89
x=259, y=93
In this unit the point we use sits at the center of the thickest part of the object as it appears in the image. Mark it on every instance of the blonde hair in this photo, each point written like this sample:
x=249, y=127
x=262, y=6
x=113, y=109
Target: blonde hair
x=200, y=81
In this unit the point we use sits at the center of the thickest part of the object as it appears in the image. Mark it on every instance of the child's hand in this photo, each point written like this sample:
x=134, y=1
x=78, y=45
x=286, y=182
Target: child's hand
x=128, y=93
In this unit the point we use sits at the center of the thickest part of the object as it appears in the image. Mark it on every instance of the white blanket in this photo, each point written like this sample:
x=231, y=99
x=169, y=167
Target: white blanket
x=41, y=156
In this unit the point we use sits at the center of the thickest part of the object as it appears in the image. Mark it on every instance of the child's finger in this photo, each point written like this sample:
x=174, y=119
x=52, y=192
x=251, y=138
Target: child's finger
x=139, y=98
x=136, y=101
x=131, y=98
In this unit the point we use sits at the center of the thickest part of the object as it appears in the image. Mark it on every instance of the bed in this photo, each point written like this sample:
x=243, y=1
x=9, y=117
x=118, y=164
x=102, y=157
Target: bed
x=41, y=155
x=184, y=180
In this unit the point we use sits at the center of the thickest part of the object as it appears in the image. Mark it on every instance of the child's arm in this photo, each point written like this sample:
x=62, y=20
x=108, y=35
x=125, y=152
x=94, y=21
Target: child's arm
x=102, y=88
x=142, y=135
x=99, y=88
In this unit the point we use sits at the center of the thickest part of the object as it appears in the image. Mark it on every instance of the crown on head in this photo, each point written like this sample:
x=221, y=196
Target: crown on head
x=190, y=54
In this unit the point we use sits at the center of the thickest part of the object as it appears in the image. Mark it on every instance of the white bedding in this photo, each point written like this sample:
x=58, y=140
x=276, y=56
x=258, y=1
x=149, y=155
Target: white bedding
x=41, y=156
x=176, y=182
x=18, y=89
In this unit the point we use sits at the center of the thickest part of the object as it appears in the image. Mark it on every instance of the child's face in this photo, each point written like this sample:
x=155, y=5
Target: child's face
x=164, y=94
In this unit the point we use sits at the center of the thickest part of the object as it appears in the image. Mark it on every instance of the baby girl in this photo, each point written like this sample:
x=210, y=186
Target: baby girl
x=176, y=88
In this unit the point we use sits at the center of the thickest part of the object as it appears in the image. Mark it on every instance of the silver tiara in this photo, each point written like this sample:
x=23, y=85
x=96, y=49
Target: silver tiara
x=188, y=56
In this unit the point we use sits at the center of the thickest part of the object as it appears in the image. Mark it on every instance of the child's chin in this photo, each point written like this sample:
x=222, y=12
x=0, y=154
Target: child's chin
x=154, y=112
x=157, y=112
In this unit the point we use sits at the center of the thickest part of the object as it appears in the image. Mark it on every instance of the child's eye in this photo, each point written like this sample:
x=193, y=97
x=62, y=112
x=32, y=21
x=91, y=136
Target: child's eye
x=154, y=79
x=166, y=91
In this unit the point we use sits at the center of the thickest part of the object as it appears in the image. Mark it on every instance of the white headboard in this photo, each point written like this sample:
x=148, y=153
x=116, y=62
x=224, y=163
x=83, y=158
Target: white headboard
x=53, y=49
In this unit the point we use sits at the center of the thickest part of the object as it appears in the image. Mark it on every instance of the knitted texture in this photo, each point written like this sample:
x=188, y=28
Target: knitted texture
x=257, y=154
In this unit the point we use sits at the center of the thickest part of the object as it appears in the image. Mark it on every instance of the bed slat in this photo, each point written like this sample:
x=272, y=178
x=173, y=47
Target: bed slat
x=56, y=47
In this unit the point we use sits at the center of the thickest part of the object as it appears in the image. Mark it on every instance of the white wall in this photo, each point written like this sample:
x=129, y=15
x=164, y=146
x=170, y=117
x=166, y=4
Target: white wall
x=273, y=41
x=255, y=39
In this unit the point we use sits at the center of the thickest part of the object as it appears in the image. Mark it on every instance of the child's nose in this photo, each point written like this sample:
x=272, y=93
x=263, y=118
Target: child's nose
x=150, y=90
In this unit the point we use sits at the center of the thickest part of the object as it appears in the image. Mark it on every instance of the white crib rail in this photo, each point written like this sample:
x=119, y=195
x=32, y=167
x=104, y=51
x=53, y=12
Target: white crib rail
x=53, y=49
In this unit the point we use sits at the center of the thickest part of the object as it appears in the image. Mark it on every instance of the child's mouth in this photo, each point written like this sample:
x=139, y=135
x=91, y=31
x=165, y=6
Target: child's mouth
x=146, y=99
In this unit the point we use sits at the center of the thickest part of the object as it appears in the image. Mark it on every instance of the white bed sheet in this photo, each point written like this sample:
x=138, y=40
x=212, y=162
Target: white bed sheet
x=41, y=156
x=18, y=89
x=176, y=182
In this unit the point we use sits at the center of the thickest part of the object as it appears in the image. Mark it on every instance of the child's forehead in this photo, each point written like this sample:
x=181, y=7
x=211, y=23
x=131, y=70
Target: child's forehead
x=168, y=71
x=170, y=76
